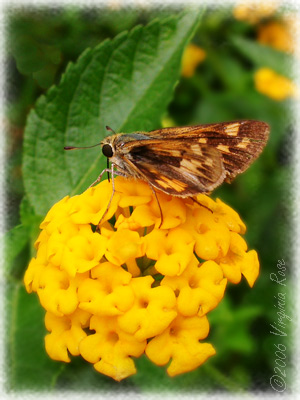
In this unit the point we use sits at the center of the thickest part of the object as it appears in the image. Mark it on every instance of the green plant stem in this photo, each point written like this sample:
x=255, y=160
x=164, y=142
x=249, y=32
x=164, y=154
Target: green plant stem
x=222, y=380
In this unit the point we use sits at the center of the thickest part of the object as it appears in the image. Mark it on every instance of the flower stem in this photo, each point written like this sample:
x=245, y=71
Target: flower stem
x=222, y=380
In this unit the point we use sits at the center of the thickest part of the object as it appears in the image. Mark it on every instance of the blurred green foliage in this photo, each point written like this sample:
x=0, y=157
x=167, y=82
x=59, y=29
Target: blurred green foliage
x=41, y=43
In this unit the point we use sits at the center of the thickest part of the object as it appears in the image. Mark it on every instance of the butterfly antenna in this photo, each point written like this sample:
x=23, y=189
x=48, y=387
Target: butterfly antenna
x=109, y=129
x=79, y=148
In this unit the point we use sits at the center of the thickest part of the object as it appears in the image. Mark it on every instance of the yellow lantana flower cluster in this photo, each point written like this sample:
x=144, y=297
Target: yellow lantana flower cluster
x=135, y=285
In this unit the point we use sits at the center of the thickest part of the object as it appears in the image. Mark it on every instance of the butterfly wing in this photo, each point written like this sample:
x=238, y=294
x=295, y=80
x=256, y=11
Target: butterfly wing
x=177, y=167
x=238, y=142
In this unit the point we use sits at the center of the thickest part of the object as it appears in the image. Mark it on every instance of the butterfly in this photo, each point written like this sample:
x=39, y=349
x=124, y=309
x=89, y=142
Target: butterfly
x=185, y=161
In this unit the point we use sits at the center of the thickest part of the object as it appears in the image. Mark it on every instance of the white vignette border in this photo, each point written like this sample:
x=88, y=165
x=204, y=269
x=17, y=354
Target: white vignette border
x=295, y=193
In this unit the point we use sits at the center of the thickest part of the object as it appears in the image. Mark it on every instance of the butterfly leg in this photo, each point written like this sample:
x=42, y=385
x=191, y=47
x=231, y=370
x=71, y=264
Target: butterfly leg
x=113, y=173
x=99, y=177
x=109, y=170
x=202, y=205
x=159, y=206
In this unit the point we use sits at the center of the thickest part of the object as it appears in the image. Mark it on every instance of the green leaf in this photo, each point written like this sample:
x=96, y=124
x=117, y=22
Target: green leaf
x=264, y=56
x=28, y=217
x=28, y=362
x=153, y=378
x=14, y=242
x=125, y=83
x=233, y=323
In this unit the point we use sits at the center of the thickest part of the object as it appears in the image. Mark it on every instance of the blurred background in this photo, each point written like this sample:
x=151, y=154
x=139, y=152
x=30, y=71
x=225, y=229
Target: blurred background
x=238, y=66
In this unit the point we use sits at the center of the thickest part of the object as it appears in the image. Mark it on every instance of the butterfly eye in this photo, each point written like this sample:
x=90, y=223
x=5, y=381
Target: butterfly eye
x=107, y=150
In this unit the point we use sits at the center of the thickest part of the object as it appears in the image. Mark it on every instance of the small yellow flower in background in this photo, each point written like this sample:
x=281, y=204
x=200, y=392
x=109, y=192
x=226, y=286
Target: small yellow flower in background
x=276, y=34
x=192, y=57
x=134, y=285
x=167, y=122
x=273, y=85
x=254, y=11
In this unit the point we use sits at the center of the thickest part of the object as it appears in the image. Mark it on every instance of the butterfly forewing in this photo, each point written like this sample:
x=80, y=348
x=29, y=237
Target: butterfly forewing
x=255, y=130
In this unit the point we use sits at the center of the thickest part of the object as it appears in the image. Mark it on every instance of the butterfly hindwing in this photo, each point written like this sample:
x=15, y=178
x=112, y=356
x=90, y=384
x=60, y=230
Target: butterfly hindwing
x=177, y=167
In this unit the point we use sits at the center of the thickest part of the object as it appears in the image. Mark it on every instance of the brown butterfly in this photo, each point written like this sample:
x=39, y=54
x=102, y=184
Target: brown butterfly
x=185, y=161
